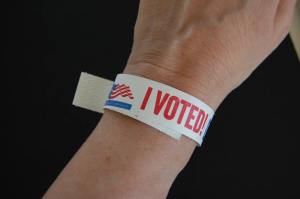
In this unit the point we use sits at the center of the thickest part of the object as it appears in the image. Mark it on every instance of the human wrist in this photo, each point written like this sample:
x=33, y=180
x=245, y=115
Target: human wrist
x=203, y=86
x=145, y=159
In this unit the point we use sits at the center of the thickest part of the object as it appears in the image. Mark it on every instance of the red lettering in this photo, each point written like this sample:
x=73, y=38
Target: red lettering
x=170, y=116
x=199, y=121
x=185, y=104
x=191, y=117
x=203, y=124
x=160, y=103
x=146, y=98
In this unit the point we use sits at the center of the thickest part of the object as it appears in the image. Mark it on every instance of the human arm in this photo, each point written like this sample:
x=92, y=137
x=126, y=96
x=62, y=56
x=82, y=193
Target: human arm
x=214, y=45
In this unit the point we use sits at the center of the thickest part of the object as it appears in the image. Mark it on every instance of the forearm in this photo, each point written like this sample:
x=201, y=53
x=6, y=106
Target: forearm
x=204, y=48
x=124, y=158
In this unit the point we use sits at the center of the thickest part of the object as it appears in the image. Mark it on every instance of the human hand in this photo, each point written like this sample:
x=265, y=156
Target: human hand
x=206, y=47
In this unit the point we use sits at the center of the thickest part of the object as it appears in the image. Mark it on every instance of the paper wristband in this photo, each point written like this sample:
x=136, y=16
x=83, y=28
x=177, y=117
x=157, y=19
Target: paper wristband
x=92, y=92
x=167, y=109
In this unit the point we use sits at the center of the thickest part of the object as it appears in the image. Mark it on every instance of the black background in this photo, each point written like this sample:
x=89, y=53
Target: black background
x=250, y=151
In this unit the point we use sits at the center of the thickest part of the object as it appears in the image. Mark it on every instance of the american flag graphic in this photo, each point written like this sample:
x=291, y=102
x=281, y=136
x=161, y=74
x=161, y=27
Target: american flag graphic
x=120, y=90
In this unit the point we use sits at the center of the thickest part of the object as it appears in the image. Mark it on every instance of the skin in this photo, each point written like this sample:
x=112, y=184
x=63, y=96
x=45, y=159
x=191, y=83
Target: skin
x=203, y=47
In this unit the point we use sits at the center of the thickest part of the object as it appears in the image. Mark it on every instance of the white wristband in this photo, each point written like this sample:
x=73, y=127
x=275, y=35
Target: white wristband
x=167, y=109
